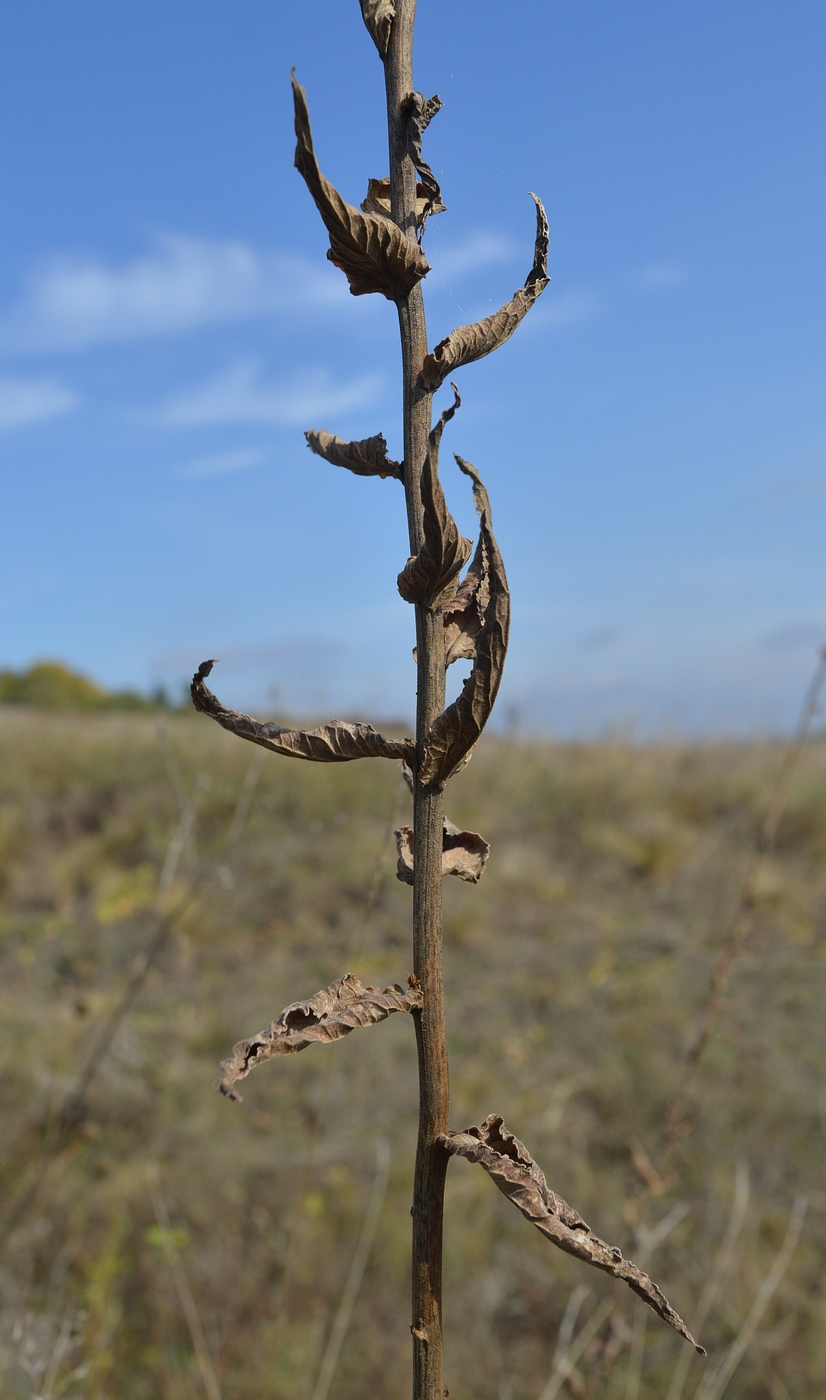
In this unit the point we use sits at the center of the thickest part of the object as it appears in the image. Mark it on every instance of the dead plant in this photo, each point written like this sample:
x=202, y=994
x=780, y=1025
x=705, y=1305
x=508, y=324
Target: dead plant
x=378, y=247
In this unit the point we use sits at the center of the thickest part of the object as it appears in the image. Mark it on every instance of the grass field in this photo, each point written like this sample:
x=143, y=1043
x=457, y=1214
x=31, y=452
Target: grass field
x=162, y=1243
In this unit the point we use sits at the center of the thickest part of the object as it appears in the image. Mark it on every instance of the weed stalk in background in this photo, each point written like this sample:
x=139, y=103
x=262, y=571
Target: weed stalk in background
x=379, y=249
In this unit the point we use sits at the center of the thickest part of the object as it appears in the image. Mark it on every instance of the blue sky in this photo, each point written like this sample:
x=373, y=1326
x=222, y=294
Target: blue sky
x=653, y=438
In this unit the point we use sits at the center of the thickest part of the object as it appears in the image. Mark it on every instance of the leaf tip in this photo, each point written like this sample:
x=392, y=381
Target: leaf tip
x=378, y=16
x=226, y=1088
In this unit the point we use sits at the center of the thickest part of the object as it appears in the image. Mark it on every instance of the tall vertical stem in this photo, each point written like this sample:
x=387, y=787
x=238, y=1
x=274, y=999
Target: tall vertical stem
x=431, y=1160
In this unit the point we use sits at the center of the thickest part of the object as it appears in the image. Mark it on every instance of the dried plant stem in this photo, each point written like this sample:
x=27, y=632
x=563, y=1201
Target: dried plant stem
x=569, y=1350
x=634, y=1373
x=717, y=1381
x=428, y=808
x=245, y=796
x=716, y=1278
x=212, y=1389
x=565, y=1363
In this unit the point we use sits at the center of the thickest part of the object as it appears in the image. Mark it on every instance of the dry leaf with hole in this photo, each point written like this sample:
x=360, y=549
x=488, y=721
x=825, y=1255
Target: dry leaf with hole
x=377, y=201
x=366, y=458
x=344, y=1006
x=469, y=343
x=464, y=613
x=512, y=1167
x=429, y=577
x=378, y=15
x=372, y=252
x=454, y=733
x=336, y=742
x=464, y=853
x=420, y=112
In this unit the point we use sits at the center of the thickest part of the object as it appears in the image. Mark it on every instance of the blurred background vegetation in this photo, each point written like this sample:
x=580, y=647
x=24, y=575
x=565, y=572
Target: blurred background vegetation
x=51, y=685
x=165, y=890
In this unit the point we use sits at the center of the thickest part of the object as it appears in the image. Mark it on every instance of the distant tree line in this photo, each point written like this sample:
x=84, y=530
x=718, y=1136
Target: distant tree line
x=52, y=686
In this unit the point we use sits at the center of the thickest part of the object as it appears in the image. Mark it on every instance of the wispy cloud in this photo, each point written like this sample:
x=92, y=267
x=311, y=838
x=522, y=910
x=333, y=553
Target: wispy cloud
x=557, y=310
x=658, y=277
x=24, y=401
x=184, y=283
x=601, y=637
x=223, y=463
x=480, y=251
x=803, y=489
x=241, y=395
x=797, y=636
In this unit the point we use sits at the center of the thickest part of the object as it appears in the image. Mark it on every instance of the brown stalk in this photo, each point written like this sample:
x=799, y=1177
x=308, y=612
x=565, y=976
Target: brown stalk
x=378, y=248
x=428, y=807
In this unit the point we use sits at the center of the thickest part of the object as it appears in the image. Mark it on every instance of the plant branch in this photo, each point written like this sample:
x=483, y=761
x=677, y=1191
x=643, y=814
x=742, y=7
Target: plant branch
x=428, y=807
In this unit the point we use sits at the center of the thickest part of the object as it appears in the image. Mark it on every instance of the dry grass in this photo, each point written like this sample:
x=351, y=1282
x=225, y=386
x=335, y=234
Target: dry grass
x=576, y=975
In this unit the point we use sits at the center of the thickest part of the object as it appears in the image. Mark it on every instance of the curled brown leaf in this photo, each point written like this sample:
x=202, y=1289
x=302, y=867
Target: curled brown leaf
x=420, y=112
x=342, y=1007
x=429, y=577
x=464, y=853
x=371, y=251
x=378, y=15
x=469, y=343
x=464, y=613
x=377, y=201
x=517, y=1175
x=452, y=736
x=336, y=742
x=366, y=458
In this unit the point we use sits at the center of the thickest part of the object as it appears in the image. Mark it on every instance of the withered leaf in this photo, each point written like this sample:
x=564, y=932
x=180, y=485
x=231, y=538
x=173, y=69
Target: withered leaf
x=469, y=343
x=377, y=201
x=420, y=111
x=342, y=1007
x=336, y=742
x=429, y=577
x=512, y=1167
x=452, y=736
x=372, y=252
x=378, y=15
x=464, y=614
x=366, y=458
x=464, y=853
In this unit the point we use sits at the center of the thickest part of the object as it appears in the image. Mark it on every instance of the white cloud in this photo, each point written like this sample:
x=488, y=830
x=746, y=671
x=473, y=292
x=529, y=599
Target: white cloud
x=24, y=401
x=658, y=277
x=241, y=396
x=223, y=463
x=187, y=282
